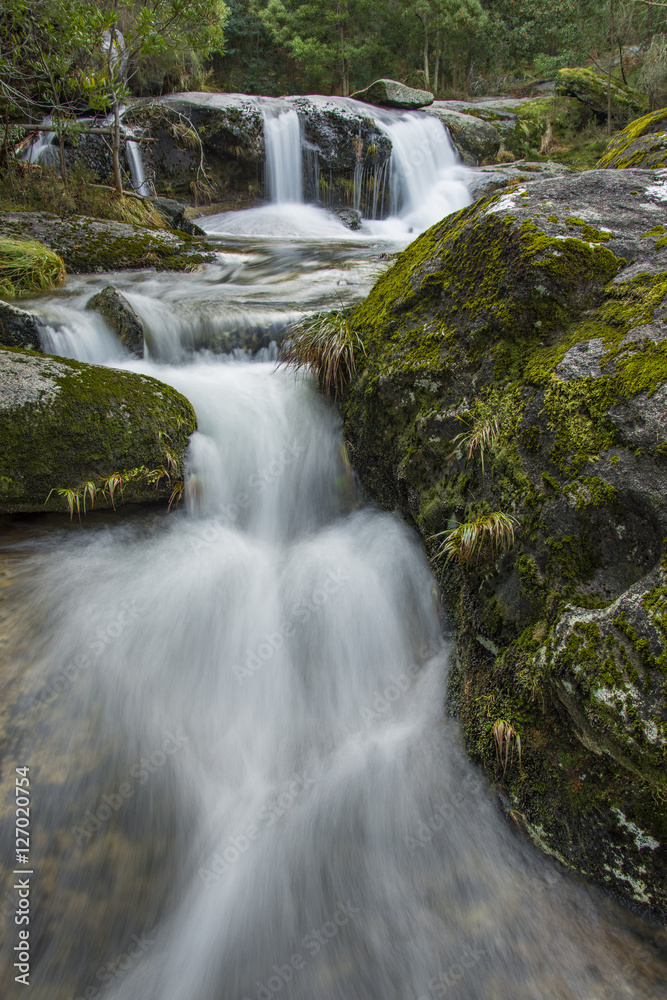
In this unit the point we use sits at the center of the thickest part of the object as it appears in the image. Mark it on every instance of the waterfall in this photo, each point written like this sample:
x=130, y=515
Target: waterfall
x=136, y=164
x=284, y=167
x=246, y=784
x=42, y=146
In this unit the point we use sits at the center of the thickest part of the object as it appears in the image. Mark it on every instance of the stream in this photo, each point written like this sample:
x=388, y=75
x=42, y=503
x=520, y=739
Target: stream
x=244, y=783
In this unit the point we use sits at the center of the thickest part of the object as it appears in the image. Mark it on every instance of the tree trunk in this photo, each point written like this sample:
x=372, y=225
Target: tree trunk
x=620, y=55
x=650, y=25
x=611, y=60
x=118, y=177
x=427, y=75
x=436, y=72
x=61, y=153
x=344, y=63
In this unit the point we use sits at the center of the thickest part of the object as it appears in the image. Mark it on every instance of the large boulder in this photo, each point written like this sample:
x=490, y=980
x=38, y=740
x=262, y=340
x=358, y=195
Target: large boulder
x=120, y=317
x=642, y=144
x=90, y=246
x=591, y=88
x=19, y=328
x=65, y=425
x=222, y=132
x=476, y=140
x=515, y=364
x=392, y=94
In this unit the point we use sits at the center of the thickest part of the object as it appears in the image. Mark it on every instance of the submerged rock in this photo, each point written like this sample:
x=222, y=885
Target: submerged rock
x=642, y=144
x=90, y=246
x=19, y=328
x=515, y=363
x=120, y=317
x=392, y=94
x=66, y=425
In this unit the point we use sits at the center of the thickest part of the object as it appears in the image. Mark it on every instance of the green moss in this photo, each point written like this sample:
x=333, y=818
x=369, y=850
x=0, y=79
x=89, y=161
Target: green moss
x=638, y=145
x=588, y=232
x=100, y=422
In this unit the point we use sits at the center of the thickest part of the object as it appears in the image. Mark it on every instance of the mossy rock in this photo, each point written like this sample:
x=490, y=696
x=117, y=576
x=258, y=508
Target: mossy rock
x=392, y=94
x=642, y=144
x=591, y=89
x=65, y=424
x=476, y=140
x=19, y=328
x=516, y=361
x=89, y=246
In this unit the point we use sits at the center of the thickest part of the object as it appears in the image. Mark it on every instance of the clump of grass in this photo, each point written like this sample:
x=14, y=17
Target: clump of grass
x=475, y=541
x=482, y=435
x=28, y=266
x=324, y=344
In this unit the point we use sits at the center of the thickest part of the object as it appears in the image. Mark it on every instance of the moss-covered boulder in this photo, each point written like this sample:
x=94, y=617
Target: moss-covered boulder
x=392, y=94
x=642, y=144
x=73, y=434
x=89, y=246
x=591, y=88
x=515, y=367
x=476, y=140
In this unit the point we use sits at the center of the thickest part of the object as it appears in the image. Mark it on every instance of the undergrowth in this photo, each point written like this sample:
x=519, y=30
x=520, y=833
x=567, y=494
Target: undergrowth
x=36, y=188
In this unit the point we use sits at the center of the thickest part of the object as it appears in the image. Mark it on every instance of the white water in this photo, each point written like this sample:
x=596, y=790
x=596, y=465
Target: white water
x=282, y=141
x=264, y=670
x=426, y=182
x=266, y=674
x=136, y=165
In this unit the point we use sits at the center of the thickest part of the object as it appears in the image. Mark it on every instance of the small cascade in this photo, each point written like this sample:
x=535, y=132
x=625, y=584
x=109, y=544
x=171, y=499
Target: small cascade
x=284, y=169
x=42, y=147
x=136, y=166
x=422, y=156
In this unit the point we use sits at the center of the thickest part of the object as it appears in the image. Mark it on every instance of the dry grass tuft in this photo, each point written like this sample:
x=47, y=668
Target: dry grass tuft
x=325, y=345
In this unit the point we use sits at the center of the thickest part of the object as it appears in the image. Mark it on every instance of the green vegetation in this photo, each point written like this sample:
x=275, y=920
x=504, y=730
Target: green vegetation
x=476, y=541
x=28, y=266
x=324, y=344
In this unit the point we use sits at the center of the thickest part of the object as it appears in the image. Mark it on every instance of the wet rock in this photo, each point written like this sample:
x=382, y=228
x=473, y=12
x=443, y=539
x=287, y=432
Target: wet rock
x=349, y=217
x=475, y=139
x=19, y=328
x=590, y=87
x=226, y=129
x=392, y=94
x=173, y=214
x=65, y=424
x=642, y=144
x=120, y=317
x=514, y=362
x=90, y=246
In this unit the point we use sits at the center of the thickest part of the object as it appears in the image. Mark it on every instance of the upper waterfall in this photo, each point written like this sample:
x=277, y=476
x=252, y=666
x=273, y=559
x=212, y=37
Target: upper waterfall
x=284, y=168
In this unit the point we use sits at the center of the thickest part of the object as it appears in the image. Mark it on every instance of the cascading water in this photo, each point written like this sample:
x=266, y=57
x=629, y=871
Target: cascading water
x=135, y=163
x=282, y=140
x=423, y=179
x=244, y=784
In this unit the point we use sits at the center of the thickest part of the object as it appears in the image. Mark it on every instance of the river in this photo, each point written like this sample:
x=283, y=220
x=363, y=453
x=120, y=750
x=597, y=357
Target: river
x=244, y=783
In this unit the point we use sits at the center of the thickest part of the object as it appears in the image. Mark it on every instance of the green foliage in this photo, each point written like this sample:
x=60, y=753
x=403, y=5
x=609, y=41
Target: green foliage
x=28, y=266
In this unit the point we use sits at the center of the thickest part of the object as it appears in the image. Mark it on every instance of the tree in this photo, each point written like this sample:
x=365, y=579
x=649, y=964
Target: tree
x=129, y=31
